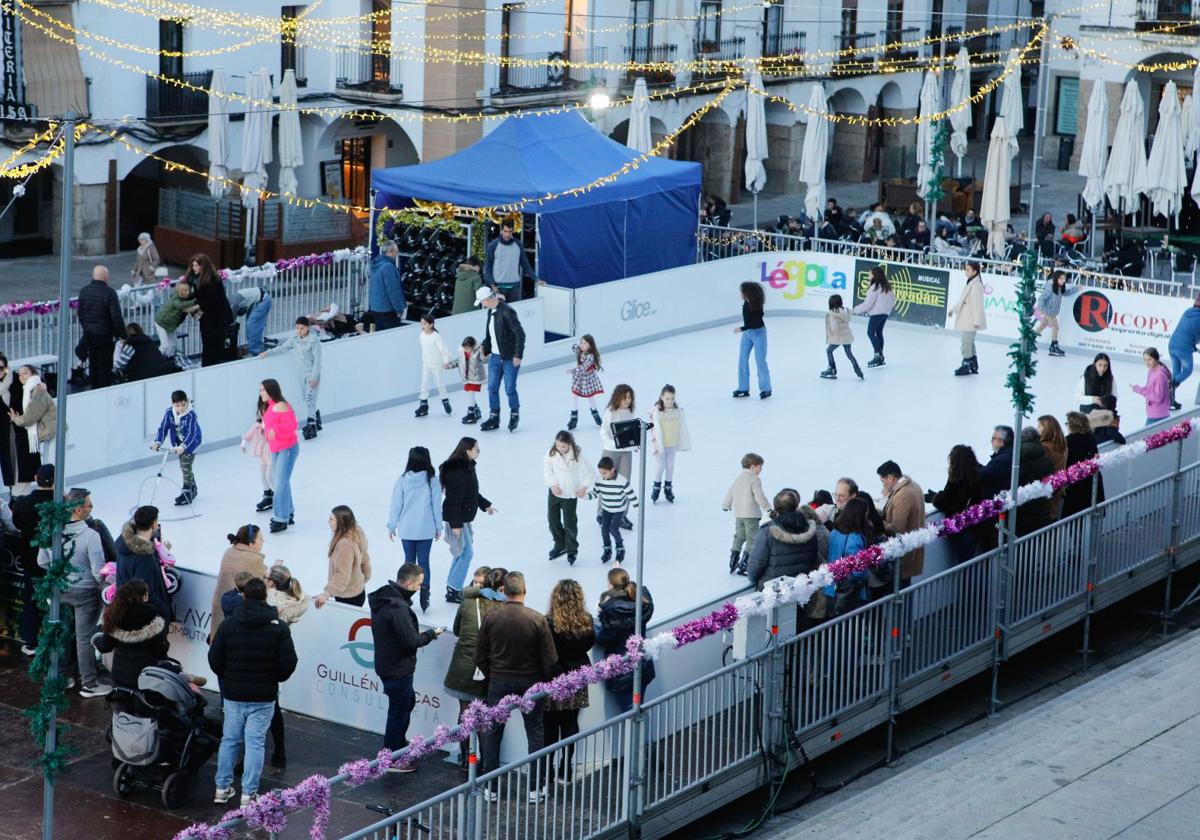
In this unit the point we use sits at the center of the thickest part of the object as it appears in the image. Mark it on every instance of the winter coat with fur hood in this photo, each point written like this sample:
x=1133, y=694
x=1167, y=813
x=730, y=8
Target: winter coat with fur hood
x=138, y=641
x=137, y=559
x=789, y=544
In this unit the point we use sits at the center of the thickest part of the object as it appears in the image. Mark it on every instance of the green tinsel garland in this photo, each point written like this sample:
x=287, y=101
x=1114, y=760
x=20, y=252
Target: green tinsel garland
x=937, y=154
x=53, y=638
x=1023, y=365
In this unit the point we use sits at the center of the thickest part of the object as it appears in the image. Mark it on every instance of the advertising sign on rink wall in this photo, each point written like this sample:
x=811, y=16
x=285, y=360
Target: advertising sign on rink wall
x=920, y=290
x=1115, y=321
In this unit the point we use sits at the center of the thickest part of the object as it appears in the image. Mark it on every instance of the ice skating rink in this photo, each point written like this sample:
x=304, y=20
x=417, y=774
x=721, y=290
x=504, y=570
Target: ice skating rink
x=810, y=432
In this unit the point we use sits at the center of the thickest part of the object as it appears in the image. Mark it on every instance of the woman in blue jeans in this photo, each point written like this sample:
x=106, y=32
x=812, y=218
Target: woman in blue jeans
x=414, y=517
x=462, y=502
x=754, y=336
x=877, y=306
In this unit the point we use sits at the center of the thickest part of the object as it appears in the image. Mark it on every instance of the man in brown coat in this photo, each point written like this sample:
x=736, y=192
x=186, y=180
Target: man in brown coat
x=514, y=650
x=903, y=511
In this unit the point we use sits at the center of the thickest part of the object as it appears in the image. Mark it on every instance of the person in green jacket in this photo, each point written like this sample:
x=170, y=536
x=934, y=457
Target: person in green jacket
x=178, y=305
x=468, y=278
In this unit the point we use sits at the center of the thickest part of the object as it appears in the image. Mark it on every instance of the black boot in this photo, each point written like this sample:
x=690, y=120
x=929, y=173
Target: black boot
x=1055, y=350
x=266, y=502
x=829, y=373
x=185, y=498
x=596, y=416
x=738, y=394
x=620, y=558
x=606, y=556
x=573, y=422
x=513, y=420
x=974, y=360
x=453, y=596
x=876, y=361
x=668, y=492
x=446, y=407
x=424, y=598
x=626, y=523
x=733, y=561
x=422, y=409
x=1175, y=405
x=320, y=425
x=310, y=429
x=472, y=416
x=857, y=370
x=964, y=369
x=654, y=491
x=490, y=424
x=744, y=565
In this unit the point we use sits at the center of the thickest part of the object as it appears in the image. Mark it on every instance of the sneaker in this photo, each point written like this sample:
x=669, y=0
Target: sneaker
x=537, y=795
x=409, y=769
x=70, y=683
x=248, y=798
x=223, y=795
x=199, y=681
x=490, y=795
x=28, y=651
x=97, y=690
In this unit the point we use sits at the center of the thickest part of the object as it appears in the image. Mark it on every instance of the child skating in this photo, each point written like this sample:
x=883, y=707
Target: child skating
x=473, y=370
x=616, y=497
x=837, y=331
x=585, y=381
x=748, y=502
x=181, y=425
x=434, y=359
x=620, y=408
x=668, y=435
x=568, y=478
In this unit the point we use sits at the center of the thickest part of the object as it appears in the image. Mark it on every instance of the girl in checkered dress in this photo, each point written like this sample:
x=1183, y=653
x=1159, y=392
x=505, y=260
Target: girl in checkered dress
x=585, y=381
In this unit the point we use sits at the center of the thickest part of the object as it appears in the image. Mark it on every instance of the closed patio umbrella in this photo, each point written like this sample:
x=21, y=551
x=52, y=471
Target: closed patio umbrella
x=218, y=135
x=1093, y=155
x=756, y=140
x=256, y=149
x=815, y=153
x=994, y=210
x=291, y=152
x=1126, y=170
x=926, y=130
x=639, y=138
x=1165, y=176
x=960, y=91
x=1011, y=106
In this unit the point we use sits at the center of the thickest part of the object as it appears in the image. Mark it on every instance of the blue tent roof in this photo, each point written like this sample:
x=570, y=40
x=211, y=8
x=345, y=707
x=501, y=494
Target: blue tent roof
x=529, y=157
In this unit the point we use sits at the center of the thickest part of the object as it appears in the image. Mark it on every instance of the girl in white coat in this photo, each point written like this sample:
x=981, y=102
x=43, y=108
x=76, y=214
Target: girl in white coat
x=568, y=478
x=969, y=318
x=668, y=435
x=434, y=359
x=620, y=408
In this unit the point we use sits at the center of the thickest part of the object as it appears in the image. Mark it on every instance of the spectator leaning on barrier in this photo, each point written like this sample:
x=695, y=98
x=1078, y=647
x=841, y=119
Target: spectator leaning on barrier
x=1081, y=446
x=793, y=542
x=904, y=511
x=1106, y=423
x=385, y=294
x=137, y=358
x=103, y=326
x=137, y=557
x=170, y=316
x=307, y=348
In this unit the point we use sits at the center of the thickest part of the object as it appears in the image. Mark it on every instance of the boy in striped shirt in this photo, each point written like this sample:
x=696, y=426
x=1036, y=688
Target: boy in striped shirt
x=616, y=497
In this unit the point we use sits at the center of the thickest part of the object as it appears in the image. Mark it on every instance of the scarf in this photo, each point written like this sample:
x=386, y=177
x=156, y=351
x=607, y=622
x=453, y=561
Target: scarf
x=26, y=396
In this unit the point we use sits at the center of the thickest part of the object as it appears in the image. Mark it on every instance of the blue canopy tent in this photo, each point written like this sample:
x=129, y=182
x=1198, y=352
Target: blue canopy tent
x=643, y=221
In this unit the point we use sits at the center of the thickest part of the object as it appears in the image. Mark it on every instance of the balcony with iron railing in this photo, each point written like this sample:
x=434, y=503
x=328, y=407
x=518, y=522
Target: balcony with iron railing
x=717, y=59
x=1172, y=17
x=897, y=43
x=854, y=63
x=785, y=54
x=183, y=99
x=368, y=76
x=651, y=54
x=551, y=72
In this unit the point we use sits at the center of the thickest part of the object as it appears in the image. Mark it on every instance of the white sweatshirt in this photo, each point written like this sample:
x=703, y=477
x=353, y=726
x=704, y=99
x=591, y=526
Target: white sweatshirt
x=433, y=350
x=568, y=473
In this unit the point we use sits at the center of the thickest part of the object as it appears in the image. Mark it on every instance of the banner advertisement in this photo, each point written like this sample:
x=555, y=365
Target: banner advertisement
x=999, y=302
x=921, y=291
x=1115, y=321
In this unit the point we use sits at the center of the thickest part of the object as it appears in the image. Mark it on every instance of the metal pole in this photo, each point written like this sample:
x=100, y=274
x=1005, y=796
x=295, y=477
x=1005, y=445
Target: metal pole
x=371, y=226
x=635, y=753
x=60, y=430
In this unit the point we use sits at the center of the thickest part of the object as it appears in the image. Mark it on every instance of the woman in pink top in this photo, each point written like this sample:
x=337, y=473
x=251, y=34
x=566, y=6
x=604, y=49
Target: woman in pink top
x=279, y=427
x=1157, y=390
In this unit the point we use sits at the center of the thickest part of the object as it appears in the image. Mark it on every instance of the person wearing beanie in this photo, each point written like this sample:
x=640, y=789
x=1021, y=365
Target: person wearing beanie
x=1182, y=347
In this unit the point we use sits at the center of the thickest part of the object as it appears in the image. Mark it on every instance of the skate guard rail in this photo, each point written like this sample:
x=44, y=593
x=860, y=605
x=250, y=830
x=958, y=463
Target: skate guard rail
x=687, y=753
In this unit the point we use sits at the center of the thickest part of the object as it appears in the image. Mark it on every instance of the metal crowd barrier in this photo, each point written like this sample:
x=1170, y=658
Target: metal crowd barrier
x=685, y=754
x=297, y=291
x=719, y=243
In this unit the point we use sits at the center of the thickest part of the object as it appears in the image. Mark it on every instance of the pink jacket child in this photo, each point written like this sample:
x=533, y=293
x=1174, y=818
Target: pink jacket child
x=166, y=562
x=1156, y=392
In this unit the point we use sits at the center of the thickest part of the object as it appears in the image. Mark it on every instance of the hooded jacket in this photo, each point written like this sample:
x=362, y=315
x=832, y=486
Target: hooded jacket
x=467, y=281
x=386, y=291
x=1102, y=421
x=139, y=641
x=252, y=653
x=237, y=558
x=477, y=603
x=139, y=358
x=789, y=544
x=616, y=624
x=137, y=560
x=414, y=513
x=188, y=434
x=87, y=561
x=308, y=352
x=396, y=632
x=461, y=486
x=1035, y=465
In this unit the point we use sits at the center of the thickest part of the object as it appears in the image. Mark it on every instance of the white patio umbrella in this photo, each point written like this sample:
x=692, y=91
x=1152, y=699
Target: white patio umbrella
x=926, y=130
x=639, y=138
x=960, y=91
x=1165, y=177
x=1191, y=140
x=291, y=152
x=756, y=140
x=1011, y=107
x=1192, y=124
x=256, y=148
x=994, y=210
x=1093, y=156
x=1126, y=170
x=218, y=134
x=815, y=153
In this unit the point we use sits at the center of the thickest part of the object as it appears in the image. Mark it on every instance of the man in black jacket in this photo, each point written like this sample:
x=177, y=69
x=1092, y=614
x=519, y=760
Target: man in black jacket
x=26, y=517
x=251, y=654
x=996, y=476
x=103, y=326
x=503, y=347
x=397, y=637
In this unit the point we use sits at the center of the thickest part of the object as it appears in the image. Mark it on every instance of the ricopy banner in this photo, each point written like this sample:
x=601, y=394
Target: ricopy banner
x=1115, y=321
x=921, y=291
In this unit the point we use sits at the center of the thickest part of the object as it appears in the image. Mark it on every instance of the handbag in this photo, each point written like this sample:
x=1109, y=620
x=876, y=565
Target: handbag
x=478, y=676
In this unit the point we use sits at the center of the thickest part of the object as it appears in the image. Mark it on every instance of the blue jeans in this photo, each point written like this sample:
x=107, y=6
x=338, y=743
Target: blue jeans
x=756, y=339
x=1181, y=363
x=498, y=369
x=417, y=551
x=256, y=324
x=401, y=702
x=244, y=723
x=461, y=562
x=875, y=332
x=282, y=464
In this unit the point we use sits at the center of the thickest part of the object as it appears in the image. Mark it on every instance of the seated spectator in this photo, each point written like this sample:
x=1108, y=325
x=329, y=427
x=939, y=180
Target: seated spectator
x=894, y=242
x=1073, y=231
x=875, y=233
x=1044, y=228
x=851, y=227
x=885, y=219
x=833, y=213
x=903, y=511
x=968, y=224
x=828, y=230
x=1035, y=466
x=908, y=221
x=920, y=236
x=1081, y=445
x=945, y=228
x=1106, y=423
x=963, y=488
x=138, y=358
x=942, y=245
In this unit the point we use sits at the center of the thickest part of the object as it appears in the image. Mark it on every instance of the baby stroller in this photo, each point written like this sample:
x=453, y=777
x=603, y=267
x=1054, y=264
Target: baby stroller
x=160, y=736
